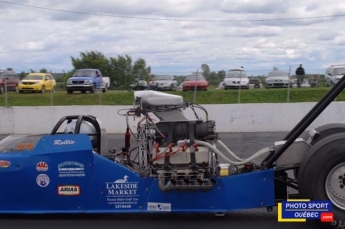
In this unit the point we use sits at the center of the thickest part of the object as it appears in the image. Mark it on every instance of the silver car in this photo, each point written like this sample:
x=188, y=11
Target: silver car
x=165, y=82
x=333, y=74
x=236, y=78
x=278, y=79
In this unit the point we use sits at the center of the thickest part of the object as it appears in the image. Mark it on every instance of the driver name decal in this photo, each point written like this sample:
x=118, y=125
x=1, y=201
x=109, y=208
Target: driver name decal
x=122, y=193
x=63, y=142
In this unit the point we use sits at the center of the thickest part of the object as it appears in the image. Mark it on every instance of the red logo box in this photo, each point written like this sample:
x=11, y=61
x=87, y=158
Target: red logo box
x=326, y=217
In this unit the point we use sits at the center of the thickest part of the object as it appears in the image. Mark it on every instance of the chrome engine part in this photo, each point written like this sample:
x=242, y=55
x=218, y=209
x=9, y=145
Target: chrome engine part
x=166, y=149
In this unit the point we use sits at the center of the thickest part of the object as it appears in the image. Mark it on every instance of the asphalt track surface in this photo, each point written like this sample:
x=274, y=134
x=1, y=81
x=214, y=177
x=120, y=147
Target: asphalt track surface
x=243, y=144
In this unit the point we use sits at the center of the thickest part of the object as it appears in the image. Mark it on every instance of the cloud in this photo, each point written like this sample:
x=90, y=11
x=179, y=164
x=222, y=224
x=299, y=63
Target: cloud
x=174, y=36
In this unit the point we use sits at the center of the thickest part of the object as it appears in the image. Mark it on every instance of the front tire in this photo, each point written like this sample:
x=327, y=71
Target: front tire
x=322, y=174
x=43, y=89
x=93, y=89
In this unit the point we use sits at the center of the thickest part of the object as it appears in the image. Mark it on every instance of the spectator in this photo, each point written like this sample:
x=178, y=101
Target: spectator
x=300, y=73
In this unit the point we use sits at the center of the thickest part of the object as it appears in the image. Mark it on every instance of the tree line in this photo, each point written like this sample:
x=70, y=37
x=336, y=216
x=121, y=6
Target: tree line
x=122, y=70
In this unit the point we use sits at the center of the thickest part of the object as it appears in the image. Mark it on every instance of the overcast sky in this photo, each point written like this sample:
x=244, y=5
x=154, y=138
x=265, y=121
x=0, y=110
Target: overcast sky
x=174, y=36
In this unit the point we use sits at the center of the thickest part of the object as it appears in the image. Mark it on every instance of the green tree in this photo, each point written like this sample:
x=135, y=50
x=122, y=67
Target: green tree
x=22, y=74
x=141, y=70
x=121, y=68
x=92, y=59
x=206, y=71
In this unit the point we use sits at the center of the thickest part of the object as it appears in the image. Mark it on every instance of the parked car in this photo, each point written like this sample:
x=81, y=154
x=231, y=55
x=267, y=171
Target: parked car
x=8, y=81
x=179, y=88
x=305, y=83
x=165, y=82
x=220, y=86
x=278, y=79
x=255, y=83
x=141, y=84
x=195, y=81
x=37, y=82
x=333, y=74
x=235, y=79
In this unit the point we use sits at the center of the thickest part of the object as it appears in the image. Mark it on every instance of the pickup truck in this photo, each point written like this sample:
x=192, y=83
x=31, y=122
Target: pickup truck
x=84, y=80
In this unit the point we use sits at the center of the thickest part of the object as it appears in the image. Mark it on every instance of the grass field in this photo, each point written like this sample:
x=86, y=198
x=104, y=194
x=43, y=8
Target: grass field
x=61, y=98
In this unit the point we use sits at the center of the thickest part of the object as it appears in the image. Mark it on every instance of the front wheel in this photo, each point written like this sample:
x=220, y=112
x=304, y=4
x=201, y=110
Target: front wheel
x=93, y=89
x=43, y=89
x=322, y=175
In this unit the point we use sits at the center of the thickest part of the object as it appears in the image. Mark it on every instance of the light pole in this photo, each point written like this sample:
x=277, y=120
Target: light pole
x=51, y=92
x=196, y=81
x=5, y=87
x=288, y=93
x=239, y=89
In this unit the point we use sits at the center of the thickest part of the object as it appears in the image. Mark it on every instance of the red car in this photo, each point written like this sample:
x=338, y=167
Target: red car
x=197, y=82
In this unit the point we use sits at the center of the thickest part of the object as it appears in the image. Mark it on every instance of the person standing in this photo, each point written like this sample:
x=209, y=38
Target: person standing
x=300, y=75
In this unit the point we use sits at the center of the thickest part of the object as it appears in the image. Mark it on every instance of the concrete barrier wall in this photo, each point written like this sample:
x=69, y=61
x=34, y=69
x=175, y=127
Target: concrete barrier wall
x=228, y=117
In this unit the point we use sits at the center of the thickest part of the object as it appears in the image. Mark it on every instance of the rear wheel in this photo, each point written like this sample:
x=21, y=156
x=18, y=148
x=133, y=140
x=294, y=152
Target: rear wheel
x=328, y=129
x=2, y=89
x=322, y=174
x=105, y=89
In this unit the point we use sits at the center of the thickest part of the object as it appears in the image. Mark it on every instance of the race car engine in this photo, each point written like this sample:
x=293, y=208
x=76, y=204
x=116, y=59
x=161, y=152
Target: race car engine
x=173, y=149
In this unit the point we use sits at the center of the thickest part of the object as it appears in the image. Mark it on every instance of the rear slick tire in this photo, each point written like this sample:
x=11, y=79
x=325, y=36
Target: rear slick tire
x=322, y=175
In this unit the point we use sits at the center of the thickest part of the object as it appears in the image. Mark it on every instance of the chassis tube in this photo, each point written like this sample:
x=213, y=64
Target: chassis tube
x=307, y=120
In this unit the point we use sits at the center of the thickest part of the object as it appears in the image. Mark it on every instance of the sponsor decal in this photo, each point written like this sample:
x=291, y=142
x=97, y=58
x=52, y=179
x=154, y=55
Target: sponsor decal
x=163, y=207
x=21, y=146
x=63, y=142
x=69, y=190
x=42, y=166
x=122, y=193
x=71, y=169
x=42, y=180
x=30, y=146
x=299, y=210
x=4, y=164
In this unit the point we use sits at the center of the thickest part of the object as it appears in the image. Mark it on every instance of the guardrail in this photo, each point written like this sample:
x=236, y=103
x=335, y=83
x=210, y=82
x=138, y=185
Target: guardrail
x=229, y=117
